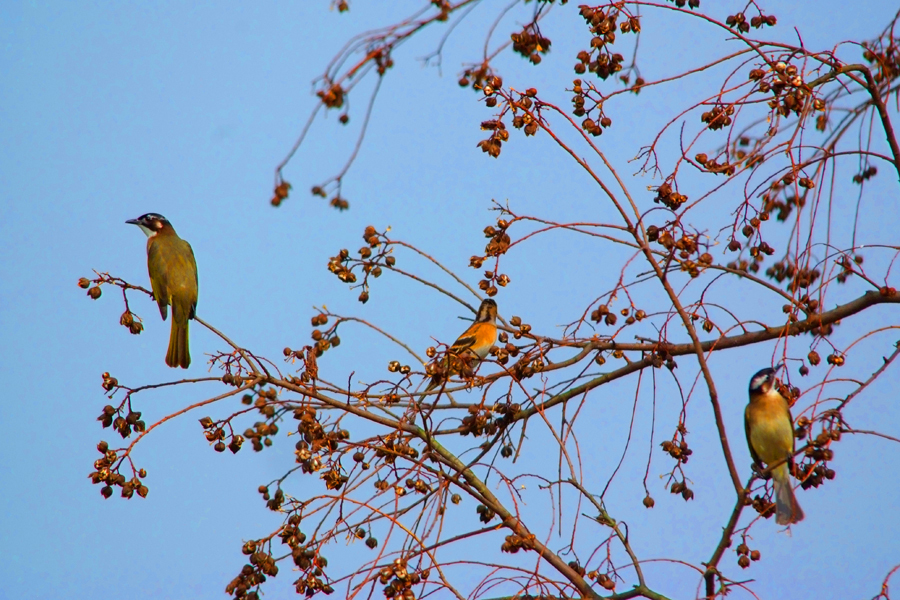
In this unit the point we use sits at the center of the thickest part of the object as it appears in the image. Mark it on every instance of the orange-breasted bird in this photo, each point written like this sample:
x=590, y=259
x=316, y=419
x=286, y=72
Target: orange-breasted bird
x=472, y=346
x=770, y=437
x=173, y=279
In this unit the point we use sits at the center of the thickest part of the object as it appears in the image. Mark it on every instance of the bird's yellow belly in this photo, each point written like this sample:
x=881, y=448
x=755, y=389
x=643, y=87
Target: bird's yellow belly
x=772, y=438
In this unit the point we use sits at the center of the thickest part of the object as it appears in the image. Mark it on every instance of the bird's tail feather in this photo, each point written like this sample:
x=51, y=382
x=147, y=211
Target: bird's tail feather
x=179, y=354
x=787, y=509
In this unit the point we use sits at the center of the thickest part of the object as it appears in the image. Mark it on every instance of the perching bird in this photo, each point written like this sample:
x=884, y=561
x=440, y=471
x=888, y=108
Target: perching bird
x=173, y=278
x=472, y=346
x=770, y=436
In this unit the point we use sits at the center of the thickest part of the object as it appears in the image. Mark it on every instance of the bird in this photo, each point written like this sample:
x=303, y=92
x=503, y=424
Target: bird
x=770, y=437
x=472, y=346
x=173, y=279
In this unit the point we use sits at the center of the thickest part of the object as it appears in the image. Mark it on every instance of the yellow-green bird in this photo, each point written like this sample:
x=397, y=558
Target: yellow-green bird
x=770, y=436
x=173, y=279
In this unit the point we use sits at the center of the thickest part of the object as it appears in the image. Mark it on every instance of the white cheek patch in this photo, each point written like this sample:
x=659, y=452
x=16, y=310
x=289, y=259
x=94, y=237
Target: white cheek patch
x=758, y=382
x=149, y=232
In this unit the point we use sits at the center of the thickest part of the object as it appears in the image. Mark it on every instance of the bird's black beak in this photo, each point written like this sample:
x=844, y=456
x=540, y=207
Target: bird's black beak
x=133, y=222
x=778, y=367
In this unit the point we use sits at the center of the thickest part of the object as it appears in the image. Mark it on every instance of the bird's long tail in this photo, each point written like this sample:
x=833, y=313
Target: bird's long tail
x=787, y=509
x=431, y=385
x=179, y=354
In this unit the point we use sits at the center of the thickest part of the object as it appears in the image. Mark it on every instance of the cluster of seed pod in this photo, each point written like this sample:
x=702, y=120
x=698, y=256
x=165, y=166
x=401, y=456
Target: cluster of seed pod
x=661, y=356
x=745, y=265
x=395, y=446
x=523, y=328
x=745, y=555
x=371, y=541
x=503, y=353
x=576, y=566
x=281, y=193
x=602, y=313
x=233, y=379
x=324, y=340
x=315, y=443
x=762, y=505
x=741, y=155
x=334, y=479
x=92, y=292
x=868, y=173
x=718, y=117
x=847, y=266
x=485, y=514
x=337, y=201
x=668, y=197
x=797, y=277
x=603, y=579
x=530, y=43
x=507, y=412
x=487, y=285
x=307, y=559
x=112, y=417
x=498, y=241
x=338, y=266
x=127, y=320
x=382, y=57
x=602, y=24
x=785, y=79
x=814, y=469
x=105, y=473
x=395, y=367
x=109, y=383
x=262, y=402
x=757, y=251
x=480, y=421
x=593, y=127
x=291, y=535
x=690, y=258
x=399, y=581
x=332, y=95
x=690, y=3
x=678, y=447
x=712, y=165
x=418, y=485
x=526, y=367
x=275, y=501
x=360, y=457
x=784, y=204
x=248, y=578
x=372, y=257
x=214, y=432
x=260, y=435
x=499, y=134
x=513, y=543
x=680, y=487
x=739, y=21
x=476, y=77
x=884, y=58
x=525, y=120
x=308, y=355
x=816, y=476
x=492, y=91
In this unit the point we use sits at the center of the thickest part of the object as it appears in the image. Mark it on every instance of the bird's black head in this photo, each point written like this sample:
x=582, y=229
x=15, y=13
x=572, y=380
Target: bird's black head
x=487, y=312
x=763, y=381
x=151, y=223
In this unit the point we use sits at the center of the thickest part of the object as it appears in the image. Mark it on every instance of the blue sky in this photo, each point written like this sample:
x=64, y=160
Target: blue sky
x=113, y=110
